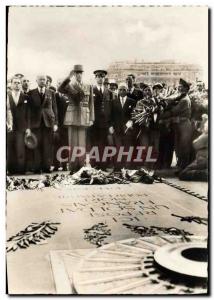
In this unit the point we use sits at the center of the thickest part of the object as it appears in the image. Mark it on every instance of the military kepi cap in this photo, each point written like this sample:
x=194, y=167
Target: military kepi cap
x=184, y=83
x=19, y=75
x=100, y=72
x=78, y=68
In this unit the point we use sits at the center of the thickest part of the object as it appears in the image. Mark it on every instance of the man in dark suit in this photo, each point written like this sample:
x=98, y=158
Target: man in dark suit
x=18, y=105
x=28, y=152
x=133, y=92
x=44, y=121
x=122, y=125
x=61, y=139
x=102, y=111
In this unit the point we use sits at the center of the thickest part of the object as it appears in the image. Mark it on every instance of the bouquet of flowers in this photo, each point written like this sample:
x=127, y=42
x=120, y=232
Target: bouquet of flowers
x=146, y=112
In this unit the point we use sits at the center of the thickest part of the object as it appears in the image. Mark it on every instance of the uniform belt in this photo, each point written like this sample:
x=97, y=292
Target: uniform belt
x=84, y=104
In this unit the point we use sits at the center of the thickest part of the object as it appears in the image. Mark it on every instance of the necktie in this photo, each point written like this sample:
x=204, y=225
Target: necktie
x=122, y=101
x=41, y=95
x=102, y=100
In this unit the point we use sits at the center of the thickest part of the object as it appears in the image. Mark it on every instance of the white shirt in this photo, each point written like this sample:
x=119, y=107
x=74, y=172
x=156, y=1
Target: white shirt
x=123, y=100
x=41, y=90
x=100, y=87
x=16, y=96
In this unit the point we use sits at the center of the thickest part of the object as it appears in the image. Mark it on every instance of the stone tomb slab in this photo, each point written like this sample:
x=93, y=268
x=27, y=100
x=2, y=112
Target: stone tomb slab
x=80, y=207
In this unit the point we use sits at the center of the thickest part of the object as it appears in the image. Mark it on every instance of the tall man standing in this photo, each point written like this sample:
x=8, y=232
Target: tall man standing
x=102, y=109
x=79, y=113
x=28, y=152
x=18, y=126
x=44, y=121
x=122, y=107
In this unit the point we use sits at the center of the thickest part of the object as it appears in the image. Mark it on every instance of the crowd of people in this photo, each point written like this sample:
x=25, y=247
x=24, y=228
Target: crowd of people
x=45, y=124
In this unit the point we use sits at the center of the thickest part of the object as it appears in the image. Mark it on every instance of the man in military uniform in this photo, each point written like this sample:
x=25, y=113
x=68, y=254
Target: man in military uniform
x=133, y=92
x=79, y=114
x=102, y=108
x=179, y=116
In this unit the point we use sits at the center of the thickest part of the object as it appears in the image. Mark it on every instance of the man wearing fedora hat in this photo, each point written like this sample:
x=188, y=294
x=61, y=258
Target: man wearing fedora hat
x=79, y=112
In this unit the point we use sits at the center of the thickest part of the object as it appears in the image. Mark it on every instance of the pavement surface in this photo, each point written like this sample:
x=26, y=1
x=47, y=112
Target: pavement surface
x=79, y=207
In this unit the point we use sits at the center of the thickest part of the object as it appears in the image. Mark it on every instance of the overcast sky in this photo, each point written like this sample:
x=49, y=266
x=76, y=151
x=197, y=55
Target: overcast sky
x=51, y=40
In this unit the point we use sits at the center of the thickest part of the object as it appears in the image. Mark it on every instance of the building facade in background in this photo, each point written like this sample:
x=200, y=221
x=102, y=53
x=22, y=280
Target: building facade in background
x=151, y=72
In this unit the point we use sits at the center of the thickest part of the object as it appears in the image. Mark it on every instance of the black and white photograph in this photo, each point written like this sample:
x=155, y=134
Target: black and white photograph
x=107, y=150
